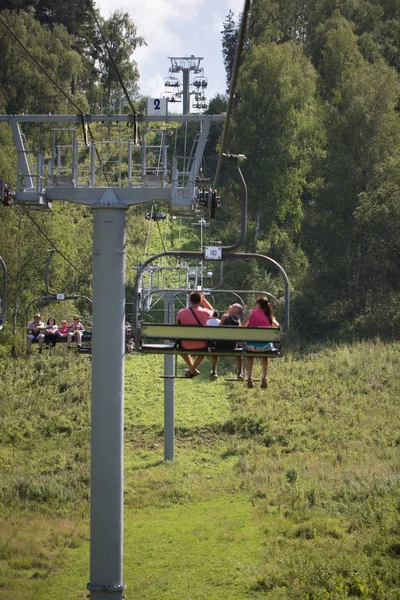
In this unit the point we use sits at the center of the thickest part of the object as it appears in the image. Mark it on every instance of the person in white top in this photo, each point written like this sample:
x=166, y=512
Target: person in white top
x=214, y=321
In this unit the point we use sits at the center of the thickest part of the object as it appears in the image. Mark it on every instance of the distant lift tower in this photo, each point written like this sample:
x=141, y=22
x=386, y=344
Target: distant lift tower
x=177, y=90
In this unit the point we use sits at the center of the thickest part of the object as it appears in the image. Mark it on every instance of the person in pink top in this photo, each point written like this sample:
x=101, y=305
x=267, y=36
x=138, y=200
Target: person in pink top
x=261, y=316
x=197, y=313
x=75, y=331
x=63, y=329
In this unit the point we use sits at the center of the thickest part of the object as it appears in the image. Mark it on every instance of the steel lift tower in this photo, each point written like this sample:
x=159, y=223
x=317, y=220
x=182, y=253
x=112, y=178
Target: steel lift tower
x=44, y=180
x=186, y=65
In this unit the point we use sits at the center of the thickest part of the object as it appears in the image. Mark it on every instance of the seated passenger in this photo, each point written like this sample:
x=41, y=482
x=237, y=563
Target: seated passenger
x=35, y=331
x=130, y=346
x=197, y=313
x=261, y=316
x=215, y=320
x=50, y=334
x=75, y=330
x=232, y=317
x=62, y=330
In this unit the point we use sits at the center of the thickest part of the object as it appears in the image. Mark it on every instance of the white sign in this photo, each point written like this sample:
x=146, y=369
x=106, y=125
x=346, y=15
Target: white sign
x=60, y=297
x=156, y=107
x=212, y=252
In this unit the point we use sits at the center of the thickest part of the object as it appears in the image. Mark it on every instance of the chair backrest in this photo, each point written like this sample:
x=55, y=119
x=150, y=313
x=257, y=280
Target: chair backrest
x=194, y=332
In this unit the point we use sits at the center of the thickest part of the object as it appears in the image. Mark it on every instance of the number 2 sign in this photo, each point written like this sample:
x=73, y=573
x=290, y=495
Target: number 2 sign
x=156, y=107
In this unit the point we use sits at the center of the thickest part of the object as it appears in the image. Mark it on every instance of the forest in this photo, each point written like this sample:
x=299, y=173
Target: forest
x=316, y=113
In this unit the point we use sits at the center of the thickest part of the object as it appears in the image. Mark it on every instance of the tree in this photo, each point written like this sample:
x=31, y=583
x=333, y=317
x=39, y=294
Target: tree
x=24, y=87
x=360, y=168
x=122, y=40
x=230, y=34
x=277, y=125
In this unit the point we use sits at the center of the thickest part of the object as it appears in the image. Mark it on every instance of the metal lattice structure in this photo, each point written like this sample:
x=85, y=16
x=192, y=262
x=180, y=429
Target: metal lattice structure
x=116, y=171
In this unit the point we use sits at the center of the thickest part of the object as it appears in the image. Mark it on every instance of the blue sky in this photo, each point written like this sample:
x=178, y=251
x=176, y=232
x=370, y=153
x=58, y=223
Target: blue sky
x=177, y=28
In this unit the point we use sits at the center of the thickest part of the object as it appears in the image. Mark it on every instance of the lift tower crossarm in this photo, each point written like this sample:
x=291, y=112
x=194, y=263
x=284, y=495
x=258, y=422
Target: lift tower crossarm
x=110, y=118
x=34, y=191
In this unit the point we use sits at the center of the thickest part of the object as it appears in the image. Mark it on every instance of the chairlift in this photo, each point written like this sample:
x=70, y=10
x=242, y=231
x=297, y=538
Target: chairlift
x=200, y=82
x=172, y=82
x=151, y=337
x=159, y=216
x=52, y=297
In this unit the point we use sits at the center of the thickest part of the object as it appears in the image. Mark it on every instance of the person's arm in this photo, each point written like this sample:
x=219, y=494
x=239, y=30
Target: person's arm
x=274, y=323
x=247, y=319
x=205, y=303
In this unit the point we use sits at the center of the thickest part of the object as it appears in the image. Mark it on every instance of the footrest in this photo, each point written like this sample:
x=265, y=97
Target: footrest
x=156, y=347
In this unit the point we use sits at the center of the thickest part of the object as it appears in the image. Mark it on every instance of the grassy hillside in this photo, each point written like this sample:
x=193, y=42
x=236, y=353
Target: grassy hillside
x=288, y=493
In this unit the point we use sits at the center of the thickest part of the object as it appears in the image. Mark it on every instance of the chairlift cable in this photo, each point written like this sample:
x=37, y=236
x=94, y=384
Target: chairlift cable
x=107, y=47
x=235, y=70
x=161, y=237
x=57, y=86
x=52, y=244
x=54, y=82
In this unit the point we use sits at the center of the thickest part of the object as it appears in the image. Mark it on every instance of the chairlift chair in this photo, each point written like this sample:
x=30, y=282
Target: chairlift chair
x=172, y=82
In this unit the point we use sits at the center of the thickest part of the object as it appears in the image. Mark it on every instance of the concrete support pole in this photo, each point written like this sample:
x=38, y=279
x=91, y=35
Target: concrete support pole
x=106, y=497
x=169, y=388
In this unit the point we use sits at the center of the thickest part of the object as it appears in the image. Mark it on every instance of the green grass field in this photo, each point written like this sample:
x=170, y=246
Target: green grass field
x=287, y=493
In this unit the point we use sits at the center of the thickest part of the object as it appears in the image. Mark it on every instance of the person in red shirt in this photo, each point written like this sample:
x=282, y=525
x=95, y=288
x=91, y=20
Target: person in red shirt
x=197, y=313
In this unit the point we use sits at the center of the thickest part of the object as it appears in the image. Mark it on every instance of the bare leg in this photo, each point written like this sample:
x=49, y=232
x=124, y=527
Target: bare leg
x=28, y=344
x=264, y=382
x=250, y=363
x=40, y=341
x=69, y=339
x=78, y=337
x=239, y=365
x=214, y=361
x=188, y=360
x=197, y=361
x=264, y=363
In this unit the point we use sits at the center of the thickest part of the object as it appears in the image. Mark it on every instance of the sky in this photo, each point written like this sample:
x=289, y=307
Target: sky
x=177, y=28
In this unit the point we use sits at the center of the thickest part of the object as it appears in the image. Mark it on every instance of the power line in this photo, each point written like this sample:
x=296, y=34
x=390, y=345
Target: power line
x=52, y=244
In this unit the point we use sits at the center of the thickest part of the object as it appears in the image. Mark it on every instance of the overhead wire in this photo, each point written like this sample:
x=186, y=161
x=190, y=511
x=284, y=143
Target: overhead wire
x=52, y=244
x=235, y=70
x=84, y=123
x=107, y=47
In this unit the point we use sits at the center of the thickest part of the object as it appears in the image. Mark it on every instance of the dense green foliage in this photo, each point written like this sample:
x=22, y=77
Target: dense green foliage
x=318, y=119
